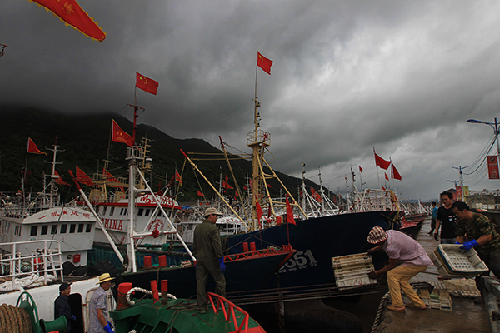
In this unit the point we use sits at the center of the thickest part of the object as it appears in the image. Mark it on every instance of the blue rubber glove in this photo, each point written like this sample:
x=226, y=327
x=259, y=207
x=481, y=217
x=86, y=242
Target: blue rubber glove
x=468, y=245
x=221, y=264
x=110, y=325
x=73, y=318
x=457, y=242
x=108, y=329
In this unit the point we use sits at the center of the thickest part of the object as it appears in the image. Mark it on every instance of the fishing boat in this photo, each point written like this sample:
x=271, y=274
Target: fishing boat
x=44, y=217
x=308, y=273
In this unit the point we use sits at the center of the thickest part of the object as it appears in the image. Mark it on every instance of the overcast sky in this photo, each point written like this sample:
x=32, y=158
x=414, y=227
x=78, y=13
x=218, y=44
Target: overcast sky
x=400, y=76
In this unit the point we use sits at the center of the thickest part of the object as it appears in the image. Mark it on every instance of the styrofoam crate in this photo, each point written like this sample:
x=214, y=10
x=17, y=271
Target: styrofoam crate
x=460, y=261
x=355, y=281
x=350, y=260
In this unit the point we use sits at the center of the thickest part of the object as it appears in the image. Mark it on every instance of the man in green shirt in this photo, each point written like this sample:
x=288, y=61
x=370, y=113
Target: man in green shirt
x=207, y=250
x=481, y=236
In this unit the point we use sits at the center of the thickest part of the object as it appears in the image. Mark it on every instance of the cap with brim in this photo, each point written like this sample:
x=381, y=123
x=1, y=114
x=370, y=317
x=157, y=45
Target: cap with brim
x=212, y=211
x=376, y=235
x=64, y=286
x=104, y=278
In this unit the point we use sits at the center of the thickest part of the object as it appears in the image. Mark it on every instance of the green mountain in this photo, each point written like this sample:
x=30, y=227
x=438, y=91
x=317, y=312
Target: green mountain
x=86, y=139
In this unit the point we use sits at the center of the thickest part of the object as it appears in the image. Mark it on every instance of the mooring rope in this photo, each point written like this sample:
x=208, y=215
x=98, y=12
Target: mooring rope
x=381, y=306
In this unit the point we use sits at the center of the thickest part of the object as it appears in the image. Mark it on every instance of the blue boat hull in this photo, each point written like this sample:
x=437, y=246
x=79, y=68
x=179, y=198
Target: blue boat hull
x=316, y=240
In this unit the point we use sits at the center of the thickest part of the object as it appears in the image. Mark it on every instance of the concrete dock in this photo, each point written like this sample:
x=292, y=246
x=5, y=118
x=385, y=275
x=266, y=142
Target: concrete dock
x=465, y=315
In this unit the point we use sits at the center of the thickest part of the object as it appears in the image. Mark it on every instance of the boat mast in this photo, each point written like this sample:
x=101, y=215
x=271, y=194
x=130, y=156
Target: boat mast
x=321, y=191
x=257, y=140
x=303, y=186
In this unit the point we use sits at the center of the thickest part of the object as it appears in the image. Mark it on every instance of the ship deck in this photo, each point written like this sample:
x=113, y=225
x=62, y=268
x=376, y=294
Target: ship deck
x=465, y=315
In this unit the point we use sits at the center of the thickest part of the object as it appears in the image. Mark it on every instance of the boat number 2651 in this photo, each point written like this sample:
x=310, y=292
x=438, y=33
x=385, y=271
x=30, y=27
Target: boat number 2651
x=300, y=260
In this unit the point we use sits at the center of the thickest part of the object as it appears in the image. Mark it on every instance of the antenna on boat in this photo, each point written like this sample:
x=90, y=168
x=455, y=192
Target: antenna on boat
x=2, y=49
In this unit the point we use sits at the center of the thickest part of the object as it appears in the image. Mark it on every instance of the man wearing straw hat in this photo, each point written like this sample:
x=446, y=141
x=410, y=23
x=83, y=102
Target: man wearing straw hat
x=207, y=250
x=98, y=307
x=407, y=258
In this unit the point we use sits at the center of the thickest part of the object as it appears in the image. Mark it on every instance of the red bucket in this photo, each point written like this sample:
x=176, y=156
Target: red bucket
x=162, y=261
x=245, y=246
x=252, y=247
x=147, y=261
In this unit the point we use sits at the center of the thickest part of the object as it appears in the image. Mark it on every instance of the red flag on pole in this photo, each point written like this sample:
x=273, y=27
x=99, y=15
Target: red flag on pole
x=383, y=188
x=360, y=169
x=386, y=178
x=178, y=178
x=395, y=173
x=82, y=177
x=200, y=194
x=70, y=12
x=379, y=161
x=32, y=148
x=289, y=213
x=264, y=63
x=492, y=167
x=109, y=177
x=119, y=135
x=258, y=208
x=59, y=179
x=146, y=84
x=315, y=195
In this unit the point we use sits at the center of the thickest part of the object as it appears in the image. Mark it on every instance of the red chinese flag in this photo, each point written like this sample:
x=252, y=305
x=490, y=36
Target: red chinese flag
x=119, y=135
x=379, y=161
x=383, y=188
x=258, y=208
x=32, y=148
x=315, y=195
x=289, y=213
x=146, y=84
x=109, y=177
x=386, y=178
x=69, y=11
x=264, y=63
x=59, y=179
x=360, y=169
x=82, y=177
x=178, y=178
x=200, y=194
x=395, y=173
x=492, y=167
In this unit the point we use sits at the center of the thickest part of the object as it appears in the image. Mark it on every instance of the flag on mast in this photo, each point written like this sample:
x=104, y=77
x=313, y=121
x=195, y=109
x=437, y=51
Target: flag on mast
x=119, y=135
x=379, y=161
x=264, y=63
x=395, y=173
x=32, y=148
x=146, y=84
x=289, y=213
x=70, y=12
x=178, y=178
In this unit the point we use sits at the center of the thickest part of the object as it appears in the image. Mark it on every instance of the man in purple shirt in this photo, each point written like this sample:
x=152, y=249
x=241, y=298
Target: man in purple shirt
x=407, y=258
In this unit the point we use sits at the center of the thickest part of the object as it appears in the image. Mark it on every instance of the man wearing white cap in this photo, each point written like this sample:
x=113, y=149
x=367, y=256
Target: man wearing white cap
x=407, y=258
x=207, y=250
x=98, y=307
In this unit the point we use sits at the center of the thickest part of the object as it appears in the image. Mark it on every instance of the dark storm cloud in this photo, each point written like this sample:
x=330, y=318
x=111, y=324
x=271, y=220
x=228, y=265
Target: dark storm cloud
x=347, y=76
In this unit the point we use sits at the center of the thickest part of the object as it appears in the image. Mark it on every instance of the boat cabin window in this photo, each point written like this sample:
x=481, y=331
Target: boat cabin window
x=111, y=211
x=123, y=211
x=64, y=228
x=54, y=230
x=89, y=227
x=44, y=230
x=18, y=230
x=34, y=230
x=104, y=210
x=146, y=212
x=139, y=212
x=80, y=227
x=72, y=228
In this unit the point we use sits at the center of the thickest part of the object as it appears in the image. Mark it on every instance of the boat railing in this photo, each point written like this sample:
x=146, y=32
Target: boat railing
x=228, y=308
x=42, y=262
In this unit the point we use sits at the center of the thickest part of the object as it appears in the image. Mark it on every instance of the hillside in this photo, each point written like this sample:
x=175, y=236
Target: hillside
x=85, y=139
